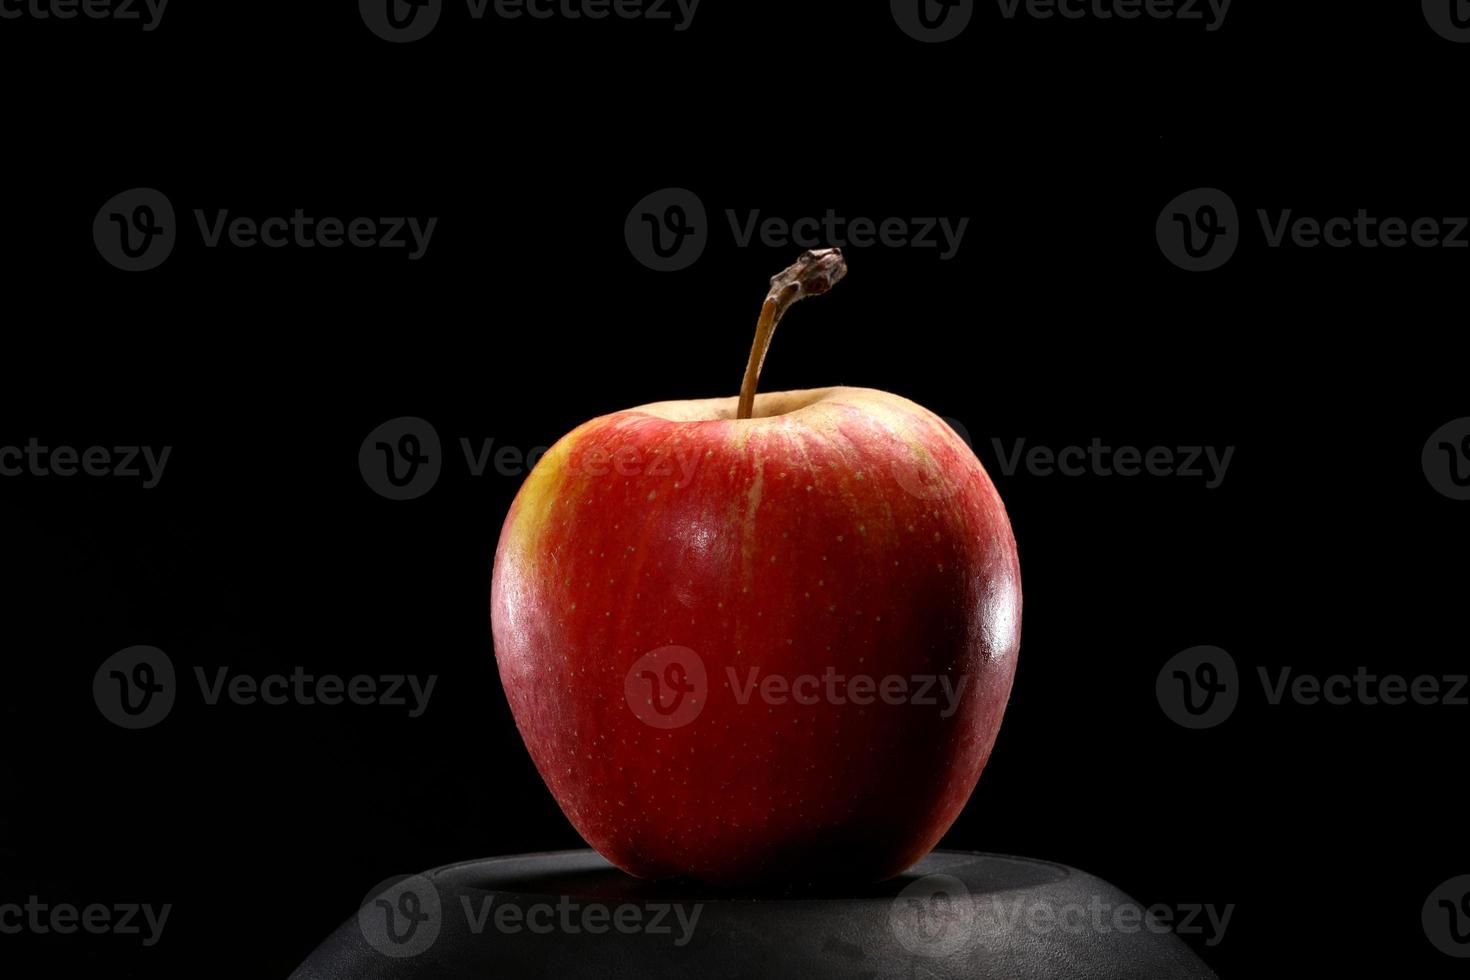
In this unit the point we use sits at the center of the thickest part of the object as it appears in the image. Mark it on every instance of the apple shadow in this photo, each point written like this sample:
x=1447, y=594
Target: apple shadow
x=584, y=876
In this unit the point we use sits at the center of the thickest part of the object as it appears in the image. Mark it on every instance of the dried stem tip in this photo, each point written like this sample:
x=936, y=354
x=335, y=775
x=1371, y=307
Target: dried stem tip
x=811, y=275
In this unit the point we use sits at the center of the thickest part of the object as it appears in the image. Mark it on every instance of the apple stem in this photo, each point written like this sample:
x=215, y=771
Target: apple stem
x=812, y=275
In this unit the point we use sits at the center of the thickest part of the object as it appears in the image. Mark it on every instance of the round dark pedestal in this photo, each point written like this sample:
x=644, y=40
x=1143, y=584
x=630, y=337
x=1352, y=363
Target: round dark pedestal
x=571, y=914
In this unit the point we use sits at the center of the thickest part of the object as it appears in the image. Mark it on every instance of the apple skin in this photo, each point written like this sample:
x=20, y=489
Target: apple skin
x=841, y=528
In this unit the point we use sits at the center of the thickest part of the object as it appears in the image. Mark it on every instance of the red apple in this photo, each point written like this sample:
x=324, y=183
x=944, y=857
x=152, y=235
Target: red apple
x=757, y=648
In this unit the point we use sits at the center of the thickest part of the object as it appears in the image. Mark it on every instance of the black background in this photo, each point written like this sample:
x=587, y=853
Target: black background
x=262, y=548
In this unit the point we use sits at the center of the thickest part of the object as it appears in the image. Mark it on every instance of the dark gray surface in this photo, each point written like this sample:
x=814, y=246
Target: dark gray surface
x=952, y=915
